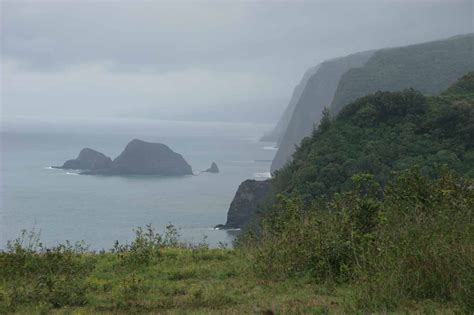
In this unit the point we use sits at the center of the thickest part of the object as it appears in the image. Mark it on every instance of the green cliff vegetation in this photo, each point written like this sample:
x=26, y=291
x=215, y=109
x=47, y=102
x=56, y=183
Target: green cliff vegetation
x=379, y=199
x=383, y=133
x=409, y=243
x=374, y=214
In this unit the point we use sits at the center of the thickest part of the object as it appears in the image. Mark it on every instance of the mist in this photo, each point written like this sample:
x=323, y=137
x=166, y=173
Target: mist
x=199, y=61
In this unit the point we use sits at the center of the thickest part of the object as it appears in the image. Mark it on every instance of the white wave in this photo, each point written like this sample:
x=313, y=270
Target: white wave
x=50, y=168
x=70, y=173
x=270, y=148
x=262, y=175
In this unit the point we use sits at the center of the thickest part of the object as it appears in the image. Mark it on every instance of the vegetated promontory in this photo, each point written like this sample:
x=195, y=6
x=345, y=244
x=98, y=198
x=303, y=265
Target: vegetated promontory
x=382, y=133
x=379, y=200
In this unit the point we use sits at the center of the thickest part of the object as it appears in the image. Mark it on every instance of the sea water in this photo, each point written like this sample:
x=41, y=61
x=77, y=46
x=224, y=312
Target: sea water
x=63, y=205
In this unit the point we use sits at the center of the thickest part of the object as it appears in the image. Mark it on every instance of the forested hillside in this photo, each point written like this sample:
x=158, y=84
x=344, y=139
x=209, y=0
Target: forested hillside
x=379, y=201
x=383, y=133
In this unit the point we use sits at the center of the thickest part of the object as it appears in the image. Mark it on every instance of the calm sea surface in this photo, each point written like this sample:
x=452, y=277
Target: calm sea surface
x=99, y=210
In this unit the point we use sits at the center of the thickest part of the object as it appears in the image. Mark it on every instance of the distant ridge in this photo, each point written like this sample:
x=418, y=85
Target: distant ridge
x=428, y=67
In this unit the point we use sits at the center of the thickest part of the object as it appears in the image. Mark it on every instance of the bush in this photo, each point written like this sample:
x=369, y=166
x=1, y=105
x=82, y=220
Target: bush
x=35, y=274
x=425, y=247
x=146, y=246
x=414, y=240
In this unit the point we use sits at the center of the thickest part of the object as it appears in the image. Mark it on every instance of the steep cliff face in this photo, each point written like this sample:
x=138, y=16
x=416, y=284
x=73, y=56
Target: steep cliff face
x=88, y=159
x=317, y=94
x=146, y=158
x=277, y=133
x=246, y=203
x=427, y=67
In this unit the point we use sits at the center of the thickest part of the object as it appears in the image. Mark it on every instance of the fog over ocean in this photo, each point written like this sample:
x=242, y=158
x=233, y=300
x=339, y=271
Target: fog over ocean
x=101, y=209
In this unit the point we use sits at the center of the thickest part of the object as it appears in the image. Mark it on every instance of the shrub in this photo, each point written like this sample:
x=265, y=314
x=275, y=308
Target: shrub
x=425, y=247
x=35, y=274
x=412, y=241
x=147, y=245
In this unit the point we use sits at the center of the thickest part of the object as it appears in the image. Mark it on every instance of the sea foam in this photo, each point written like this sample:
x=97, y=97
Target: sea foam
x=263, y=175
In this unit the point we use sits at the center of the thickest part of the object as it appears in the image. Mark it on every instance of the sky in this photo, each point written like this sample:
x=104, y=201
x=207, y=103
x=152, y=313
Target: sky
x=203, y=60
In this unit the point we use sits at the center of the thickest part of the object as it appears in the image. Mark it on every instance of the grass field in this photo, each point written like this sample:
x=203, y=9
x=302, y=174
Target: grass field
x=154, y=276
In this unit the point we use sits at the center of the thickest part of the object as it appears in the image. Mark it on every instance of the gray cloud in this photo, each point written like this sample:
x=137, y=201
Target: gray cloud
x=193, y=60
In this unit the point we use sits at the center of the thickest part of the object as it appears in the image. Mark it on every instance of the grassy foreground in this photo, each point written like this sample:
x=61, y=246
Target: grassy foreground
x=155, y=274
x=146, y=277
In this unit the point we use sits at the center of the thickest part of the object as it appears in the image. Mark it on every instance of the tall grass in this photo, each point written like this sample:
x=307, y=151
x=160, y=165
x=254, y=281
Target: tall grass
x=55, y=277
x=412, y=241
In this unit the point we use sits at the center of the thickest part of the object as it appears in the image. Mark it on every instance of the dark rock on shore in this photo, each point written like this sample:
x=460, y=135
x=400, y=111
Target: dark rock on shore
x=246, y=203
x=213, y=168
x=146, y=158
x=88, y=159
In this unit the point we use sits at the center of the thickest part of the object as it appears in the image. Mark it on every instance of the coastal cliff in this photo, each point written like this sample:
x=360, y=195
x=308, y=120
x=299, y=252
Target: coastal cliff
x=246, y=202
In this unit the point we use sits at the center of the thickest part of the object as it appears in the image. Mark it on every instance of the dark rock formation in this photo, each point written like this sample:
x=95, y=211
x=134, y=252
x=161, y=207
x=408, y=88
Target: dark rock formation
x=146, y=158
x=213, y=168
x=88, y=159
x=246, y=203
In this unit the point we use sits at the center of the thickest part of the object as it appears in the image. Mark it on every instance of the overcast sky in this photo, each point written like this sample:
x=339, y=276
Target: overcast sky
x=220, y=61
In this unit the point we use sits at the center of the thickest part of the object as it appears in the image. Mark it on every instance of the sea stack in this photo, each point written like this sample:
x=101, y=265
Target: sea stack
x=88, y=159
x=146, y=158
x=213, y=168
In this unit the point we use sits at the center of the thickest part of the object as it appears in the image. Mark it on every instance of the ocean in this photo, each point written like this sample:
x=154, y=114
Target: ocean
x=62, y=205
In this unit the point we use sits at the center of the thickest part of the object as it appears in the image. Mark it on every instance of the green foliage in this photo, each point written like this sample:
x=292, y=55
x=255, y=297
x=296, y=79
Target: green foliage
x=382, y=133
x=146, y=246
x=412, y=241
x=341, y=215
x=322, y=240
x=53, y=277
x=178, y=279
x=424, y=248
